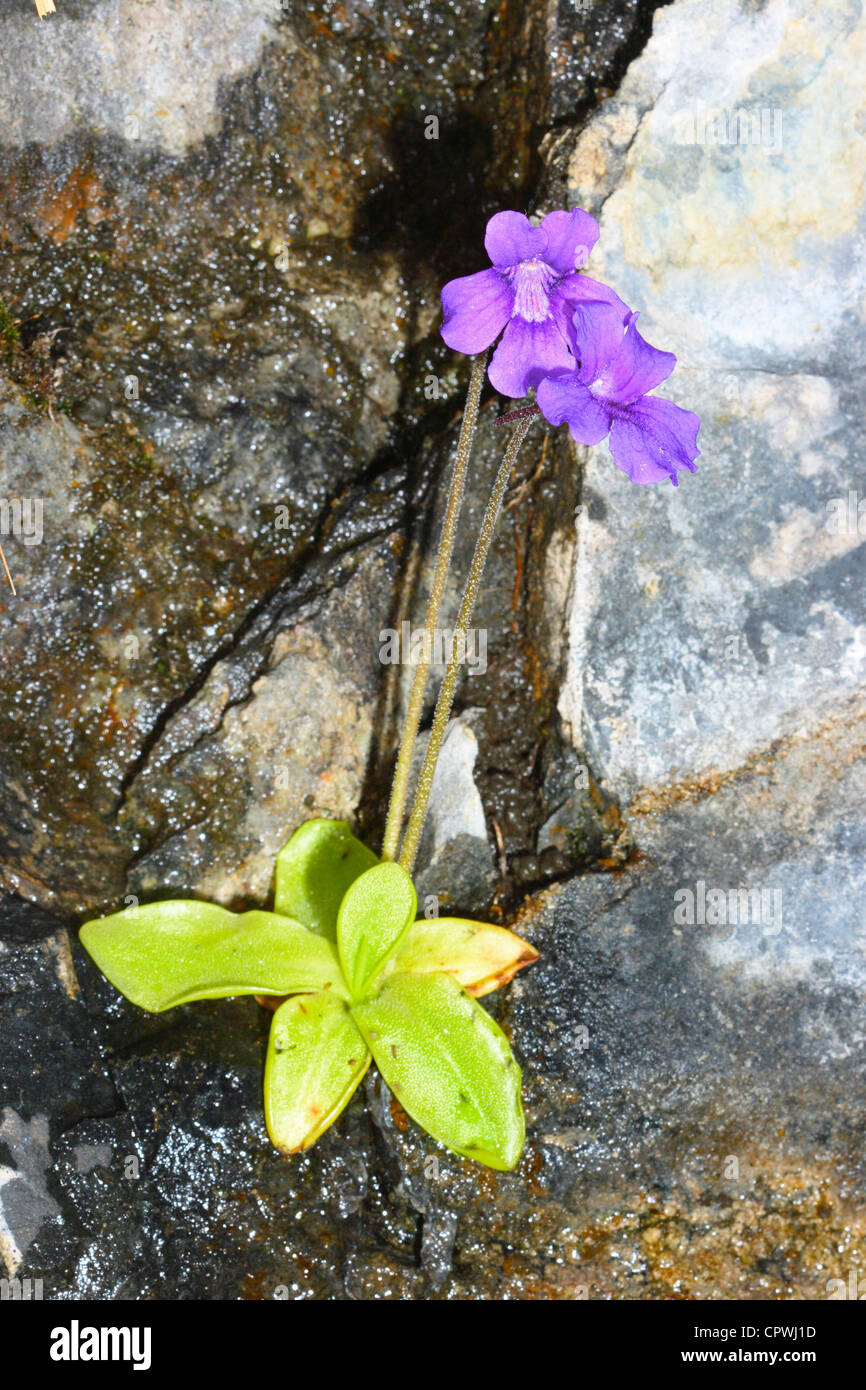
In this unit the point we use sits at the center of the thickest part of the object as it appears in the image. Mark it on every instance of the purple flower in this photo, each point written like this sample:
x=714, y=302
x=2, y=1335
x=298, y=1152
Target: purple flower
x=531, y=291
x=650, y=438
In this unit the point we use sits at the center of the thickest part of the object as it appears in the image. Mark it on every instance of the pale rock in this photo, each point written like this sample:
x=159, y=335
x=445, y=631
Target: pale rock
x=712, y=619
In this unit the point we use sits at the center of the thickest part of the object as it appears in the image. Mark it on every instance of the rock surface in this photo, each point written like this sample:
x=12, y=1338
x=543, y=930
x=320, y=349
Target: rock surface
x=193, y=658
x=219, y=300
x=713, y=619
x=693, y=1091
x=120, y=68
x=454, y=872
x=248, y=759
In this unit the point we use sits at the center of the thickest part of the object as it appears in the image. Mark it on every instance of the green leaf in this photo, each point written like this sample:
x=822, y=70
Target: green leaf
x=170, y=953
x=316, y=1058
x=374, y=916
x=481, y=957
x=314, y=870
x=448, y=1064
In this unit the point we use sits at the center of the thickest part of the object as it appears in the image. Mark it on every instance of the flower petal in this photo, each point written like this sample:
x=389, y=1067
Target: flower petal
x=653, y=439
x=511, y=237
x=596, y=331
x=636, y=369
x=476, y=308
x=567, y=398
x=570, y=238
x=527, y=353
x=577, y=288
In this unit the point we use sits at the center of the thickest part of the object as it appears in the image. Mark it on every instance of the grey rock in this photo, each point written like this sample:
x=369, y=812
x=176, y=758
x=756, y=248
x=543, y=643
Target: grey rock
x=25, y=1202
x=454, y=870
x=712, y=619
x=127, y=69
x=694, y=1091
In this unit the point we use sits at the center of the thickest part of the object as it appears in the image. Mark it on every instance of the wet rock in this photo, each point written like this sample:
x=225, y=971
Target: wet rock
x=588, y=46
x=217, y=313
x=52, y=1076
x=109, y=1196
x=221, y=291
x=693, y=1093
x=244, y=770
x=582, y=827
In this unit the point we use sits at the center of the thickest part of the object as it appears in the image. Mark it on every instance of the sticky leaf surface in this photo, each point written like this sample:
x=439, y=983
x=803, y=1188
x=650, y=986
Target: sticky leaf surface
x=316, y=1058
x=374, y=916
x=170, y=953
x=314, y=870
x=448, y=1064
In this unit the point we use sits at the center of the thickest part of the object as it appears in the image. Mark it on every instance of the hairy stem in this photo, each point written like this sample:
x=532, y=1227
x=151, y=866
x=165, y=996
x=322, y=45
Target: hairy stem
x=446, y=694
x=440, y=575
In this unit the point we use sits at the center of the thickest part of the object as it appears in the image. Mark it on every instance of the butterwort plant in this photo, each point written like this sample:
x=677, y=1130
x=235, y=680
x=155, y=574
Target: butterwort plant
x=352, y=977
x=350, y=972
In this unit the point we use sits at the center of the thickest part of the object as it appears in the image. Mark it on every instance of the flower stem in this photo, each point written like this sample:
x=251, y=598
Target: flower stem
x=520, y=414
x=400, y=784
x=464, y=617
